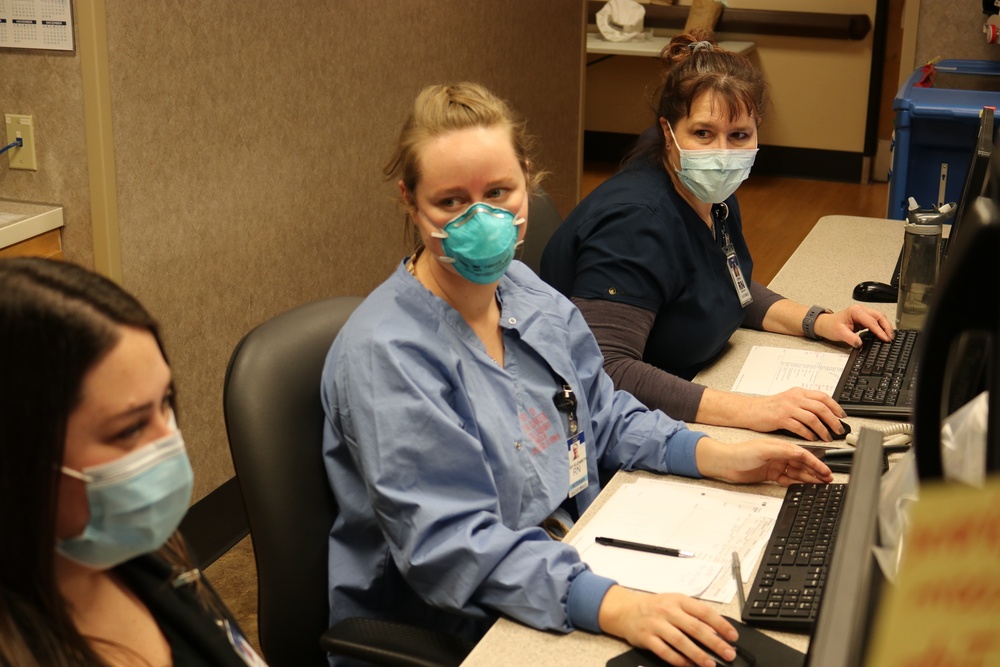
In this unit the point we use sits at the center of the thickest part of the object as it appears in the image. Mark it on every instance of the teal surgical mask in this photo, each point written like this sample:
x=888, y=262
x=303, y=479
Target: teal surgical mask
x=712, y=174
x=480, y=242
x=136, y=502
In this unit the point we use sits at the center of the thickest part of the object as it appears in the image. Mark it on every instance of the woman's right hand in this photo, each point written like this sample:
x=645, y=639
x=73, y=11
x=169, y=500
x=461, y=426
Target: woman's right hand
x=665, y=624
x=804, y=412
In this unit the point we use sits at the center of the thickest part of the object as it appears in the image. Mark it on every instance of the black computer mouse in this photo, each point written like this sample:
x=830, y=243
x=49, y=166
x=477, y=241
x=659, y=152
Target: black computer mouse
x=834, y=436
x=875, y=292
x=647, y=658
x=739, y=661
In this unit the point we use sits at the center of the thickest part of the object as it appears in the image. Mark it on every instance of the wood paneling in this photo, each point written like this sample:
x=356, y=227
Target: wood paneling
x=48, y=244
x=779, y=212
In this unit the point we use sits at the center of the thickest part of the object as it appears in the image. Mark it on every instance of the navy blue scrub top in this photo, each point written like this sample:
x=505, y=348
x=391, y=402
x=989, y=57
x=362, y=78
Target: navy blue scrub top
x=634, y=240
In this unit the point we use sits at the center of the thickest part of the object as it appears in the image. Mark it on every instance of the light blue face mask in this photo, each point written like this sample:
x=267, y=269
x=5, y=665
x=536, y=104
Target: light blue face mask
x=136, y=503
x=712, y=174
x=480, y=242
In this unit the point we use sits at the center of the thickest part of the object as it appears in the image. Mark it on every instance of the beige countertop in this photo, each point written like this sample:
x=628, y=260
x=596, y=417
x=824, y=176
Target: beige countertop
x=19, y=221
x=838, y=253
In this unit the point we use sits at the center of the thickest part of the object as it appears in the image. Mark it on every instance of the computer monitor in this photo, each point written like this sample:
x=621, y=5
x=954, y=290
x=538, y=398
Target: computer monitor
x=854, y=582
x=976, y=177
x=959, y=351
x=959, y=357
x=960, y=347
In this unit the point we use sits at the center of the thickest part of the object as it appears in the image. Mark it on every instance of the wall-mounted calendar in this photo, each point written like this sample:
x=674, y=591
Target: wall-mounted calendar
x=36, y=24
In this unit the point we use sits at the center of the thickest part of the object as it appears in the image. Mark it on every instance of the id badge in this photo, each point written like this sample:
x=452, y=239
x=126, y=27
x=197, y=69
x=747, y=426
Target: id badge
x=739, y=282
x=576, y=448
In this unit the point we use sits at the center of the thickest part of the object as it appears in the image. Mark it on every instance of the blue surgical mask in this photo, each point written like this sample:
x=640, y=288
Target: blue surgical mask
x=712, y=174
x=136, y=502
x=480, y=242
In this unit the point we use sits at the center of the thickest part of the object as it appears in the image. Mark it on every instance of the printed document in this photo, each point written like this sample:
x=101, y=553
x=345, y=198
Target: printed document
x=712, y=523
x=772, y=370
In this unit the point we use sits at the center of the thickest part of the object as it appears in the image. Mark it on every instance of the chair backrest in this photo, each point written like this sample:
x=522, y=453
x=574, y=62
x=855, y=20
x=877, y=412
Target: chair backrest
x=543, y=219
x=274, y=420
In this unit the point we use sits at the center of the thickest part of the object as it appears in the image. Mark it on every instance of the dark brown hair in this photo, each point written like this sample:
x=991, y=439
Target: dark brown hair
x=57, y=320
x=692, y=64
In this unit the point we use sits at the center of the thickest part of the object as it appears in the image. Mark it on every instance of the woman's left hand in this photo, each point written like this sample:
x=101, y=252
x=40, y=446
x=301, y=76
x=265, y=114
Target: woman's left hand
x=843, y=325
x=761, y=460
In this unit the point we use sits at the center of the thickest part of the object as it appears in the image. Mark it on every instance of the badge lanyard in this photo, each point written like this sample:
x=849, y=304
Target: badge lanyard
x=242, y=646
x=576, y=446
x=733, y=264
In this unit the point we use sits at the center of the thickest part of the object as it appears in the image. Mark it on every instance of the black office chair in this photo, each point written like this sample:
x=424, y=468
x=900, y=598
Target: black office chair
x=543, y=219
x=274, y=420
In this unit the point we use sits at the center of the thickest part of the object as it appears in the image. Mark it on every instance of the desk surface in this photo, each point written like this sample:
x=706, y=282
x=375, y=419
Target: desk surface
x=838, y=253
x=650, y=47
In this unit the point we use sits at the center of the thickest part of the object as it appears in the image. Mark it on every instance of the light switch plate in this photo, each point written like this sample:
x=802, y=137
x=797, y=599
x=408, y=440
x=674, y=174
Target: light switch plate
x=23, y=127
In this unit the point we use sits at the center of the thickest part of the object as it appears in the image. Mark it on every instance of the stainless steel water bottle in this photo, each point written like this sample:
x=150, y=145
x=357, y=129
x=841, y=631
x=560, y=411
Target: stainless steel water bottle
x=919, y=269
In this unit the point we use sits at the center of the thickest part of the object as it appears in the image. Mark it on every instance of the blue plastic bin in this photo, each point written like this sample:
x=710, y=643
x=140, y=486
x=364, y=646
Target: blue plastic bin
x=935, y=132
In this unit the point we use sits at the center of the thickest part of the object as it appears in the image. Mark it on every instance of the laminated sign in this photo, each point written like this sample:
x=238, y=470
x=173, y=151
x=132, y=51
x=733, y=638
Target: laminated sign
x=944, y=608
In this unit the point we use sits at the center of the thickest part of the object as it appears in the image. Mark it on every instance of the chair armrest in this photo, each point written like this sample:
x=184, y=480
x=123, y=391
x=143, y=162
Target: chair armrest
x=394, y=644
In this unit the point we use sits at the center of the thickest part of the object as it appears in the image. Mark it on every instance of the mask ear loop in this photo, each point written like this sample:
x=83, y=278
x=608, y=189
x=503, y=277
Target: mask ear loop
x=679, y=149
x=520, y=220
x=83, y=477
x=441, y=234
x=75, y=474
x=438, y=234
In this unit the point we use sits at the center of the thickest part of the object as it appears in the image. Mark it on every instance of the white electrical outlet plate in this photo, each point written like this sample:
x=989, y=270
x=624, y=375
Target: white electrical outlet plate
x=22, y=127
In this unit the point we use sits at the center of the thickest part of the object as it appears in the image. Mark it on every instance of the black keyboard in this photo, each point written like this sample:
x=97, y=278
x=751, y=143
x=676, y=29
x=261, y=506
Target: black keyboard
x=786, y=592
x=879, y=378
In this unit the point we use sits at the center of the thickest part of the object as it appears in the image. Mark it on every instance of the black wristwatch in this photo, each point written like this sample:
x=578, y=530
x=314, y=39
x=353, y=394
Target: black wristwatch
x=809, y=321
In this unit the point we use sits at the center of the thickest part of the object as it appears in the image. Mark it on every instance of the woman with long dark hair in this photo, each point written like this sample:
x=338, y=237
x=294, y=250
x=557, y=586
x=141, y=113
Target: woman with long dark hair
x=94, y=480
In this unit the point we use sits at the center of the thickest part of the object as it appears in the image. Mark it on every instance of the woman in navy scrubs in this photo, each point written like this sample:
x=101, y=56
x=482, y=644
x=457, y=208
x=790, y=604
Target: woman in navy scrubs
x=656, y=260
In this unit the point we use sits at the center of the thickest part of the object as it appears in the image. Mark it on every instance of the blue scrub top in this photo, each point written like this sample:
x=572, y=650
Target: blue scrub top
x=443, y=464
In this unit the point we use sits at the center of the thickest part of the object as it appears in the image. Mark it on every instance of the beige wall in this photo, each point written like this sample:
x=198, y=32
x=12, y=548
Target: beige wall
x=951, y=30
x=819, y=87
x=248, y=140
x=47, y=86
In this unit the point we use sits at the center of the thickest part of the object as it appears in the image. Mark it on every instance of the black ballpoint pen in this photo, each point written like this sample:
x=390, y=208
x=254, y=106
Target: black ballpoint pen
x=648, y=548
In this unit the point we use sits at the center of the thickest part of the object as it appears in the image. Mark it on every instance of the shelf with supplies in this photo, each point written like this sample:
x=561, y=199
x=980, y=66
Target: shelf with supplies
x=651, y=46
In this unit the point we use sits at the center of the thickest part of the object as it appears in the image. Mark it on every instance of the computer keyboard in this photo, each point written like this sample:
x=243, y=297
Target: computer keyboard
x=879, y=378
x=788, y=587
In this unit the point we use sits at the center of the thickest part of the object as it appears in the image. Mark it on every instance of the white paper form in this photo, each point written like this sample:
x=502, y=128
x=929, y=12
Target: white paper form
x=772, y=370
x=713, y=523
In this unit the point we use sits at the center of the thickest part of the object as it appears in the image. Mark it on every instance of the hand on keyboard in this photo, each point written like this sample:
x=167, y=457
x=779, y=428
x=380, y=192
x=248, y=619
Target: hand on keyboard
x=844, y=325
